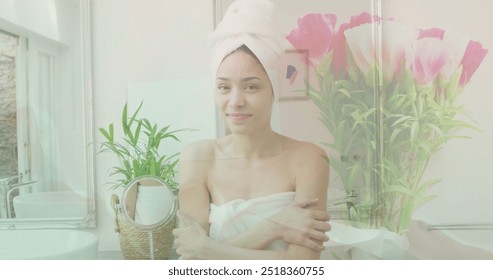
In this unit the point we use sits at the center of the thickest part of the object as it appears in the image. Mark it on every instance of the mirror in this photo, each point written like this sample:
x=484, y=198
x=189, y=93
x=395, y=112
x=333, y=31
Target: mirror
x=145, y=218
x=46, y=151
x=148, y=202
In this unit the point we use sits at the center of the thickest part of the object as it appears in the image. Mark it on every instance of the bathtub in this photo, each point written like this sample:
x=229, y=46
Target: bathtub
x=63, y=204
x=48, y=244
x=449, y=245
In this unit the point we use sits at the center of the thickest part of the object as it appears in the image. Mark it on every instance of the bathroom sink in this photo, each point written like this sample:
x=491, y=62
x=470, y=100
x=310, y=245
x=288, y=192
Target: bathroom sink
x=63, y=204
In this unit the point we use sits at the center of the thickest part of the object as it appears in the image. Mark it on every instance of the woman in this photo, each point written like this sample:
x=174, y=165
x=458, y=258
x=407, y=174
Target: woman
x=253, y=194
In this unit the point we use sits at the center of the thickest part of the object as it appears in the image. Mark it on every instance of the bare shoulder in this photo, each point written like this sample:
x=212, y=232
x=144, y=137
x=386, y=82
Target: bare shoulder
x=309, y=164
x=305, y=152
x=195, y=162
x=198, y=150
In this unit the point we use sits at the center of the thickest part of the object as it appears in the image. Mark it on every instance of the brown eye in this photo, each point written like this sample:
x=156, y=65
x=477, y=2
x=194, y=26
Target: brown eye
x=252, y=88
x=223, y=88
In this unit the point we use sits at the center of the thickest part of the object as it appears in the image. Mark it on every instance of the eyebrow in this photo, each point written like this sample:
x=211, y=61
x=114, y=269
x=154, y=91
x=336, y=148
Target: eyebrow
x=246, y=79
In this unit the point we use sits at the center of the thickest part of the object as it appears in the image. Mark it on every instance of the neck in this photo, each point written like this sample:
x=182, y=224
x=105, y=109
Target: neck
x=260, y=144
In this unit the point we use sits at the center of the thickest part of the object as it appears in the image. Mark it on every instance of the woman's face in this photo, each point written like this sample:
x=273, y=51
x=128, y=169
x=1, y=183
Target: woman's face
x=243, y=93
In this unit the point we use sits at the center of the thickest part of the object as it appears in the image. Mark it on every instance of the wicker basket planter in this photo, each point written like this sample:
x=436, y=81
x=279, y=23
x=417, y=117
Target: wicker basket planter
x=134, y=241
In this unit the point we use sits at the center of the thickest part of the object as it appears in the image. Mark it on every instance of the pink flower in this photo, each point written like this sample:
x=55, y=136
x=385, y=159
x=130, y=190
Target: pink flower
x=315, y=33
x=473, y=57
x=456, y=46
x=339, y=57
x=397, y=44
x=430, y=56
x=360, y=42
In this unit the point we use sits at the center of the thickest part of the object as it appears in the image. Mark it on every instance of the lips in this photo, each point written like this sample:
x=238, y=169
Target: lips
x=238, y=116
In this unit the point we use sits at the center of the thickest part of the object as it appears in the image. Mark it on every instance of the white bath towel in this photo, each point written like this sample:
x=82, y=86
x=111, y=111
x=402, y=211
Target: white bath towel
x=237, y=216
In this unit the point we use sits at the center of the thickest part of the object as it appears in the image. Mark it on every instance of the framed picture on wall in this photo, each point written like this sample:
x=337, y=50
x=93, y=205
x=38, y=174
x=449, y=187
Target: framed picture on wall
x=296, y=75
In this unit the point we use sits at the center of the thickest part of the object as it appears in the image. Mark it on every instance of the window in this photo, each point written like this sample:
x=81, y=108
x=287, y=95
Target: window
x=28, y=92
x=8, y=106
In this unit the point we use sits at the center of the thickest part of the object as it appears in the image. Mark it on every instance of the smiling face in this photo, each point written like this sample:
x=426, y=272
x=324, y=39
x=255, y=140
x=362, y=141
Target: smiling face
x=244, y=93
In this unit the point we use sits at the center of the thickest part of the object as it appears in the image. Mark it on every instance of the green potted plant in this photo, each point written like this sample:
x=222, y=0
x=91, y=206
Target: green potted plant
x=138, y=151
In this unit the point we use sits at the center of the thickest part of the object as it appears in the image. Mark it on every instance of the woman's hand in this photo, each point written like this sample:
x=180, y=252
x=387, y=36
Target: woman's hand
x=301, y=226
x=191, y=240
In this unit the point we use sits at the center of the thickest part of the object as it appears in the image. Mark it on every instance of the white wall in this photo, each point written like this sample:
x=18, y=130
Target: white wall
x=136, y=42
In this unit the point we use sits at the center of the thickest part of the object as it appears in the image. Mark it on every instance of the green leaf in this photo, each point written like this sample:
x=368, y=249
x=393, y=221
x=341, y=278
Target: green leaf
x=105, y=134
x=134, y=116
x=405, y=216
x=426, y=185
x=400, y=120
x=400, y=189
x=111, y=133
x=137, y=171
x=153, y=167
x=423, y=200
x=135, y=141
x=414, y=131
x=435, y=128
x=125, y=125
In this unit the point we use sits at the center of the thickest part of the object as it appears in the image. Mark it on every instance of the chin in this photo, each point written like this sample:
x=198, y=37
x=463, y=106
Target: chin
x=239, y=130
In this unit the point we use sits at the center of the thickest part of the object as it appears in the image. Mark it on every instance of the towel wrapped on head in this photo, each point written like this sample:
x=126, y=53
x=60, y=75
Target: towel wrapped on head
x=251, y=23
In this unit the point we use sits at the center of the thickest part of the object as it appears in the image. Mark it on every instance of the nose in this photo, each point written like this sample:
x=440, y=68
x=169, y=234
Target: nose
x=236, y=98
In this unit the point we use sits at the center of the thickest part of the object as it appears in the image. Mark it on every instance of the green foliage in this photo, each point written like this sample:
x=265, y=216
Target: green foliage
x=138, y=150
